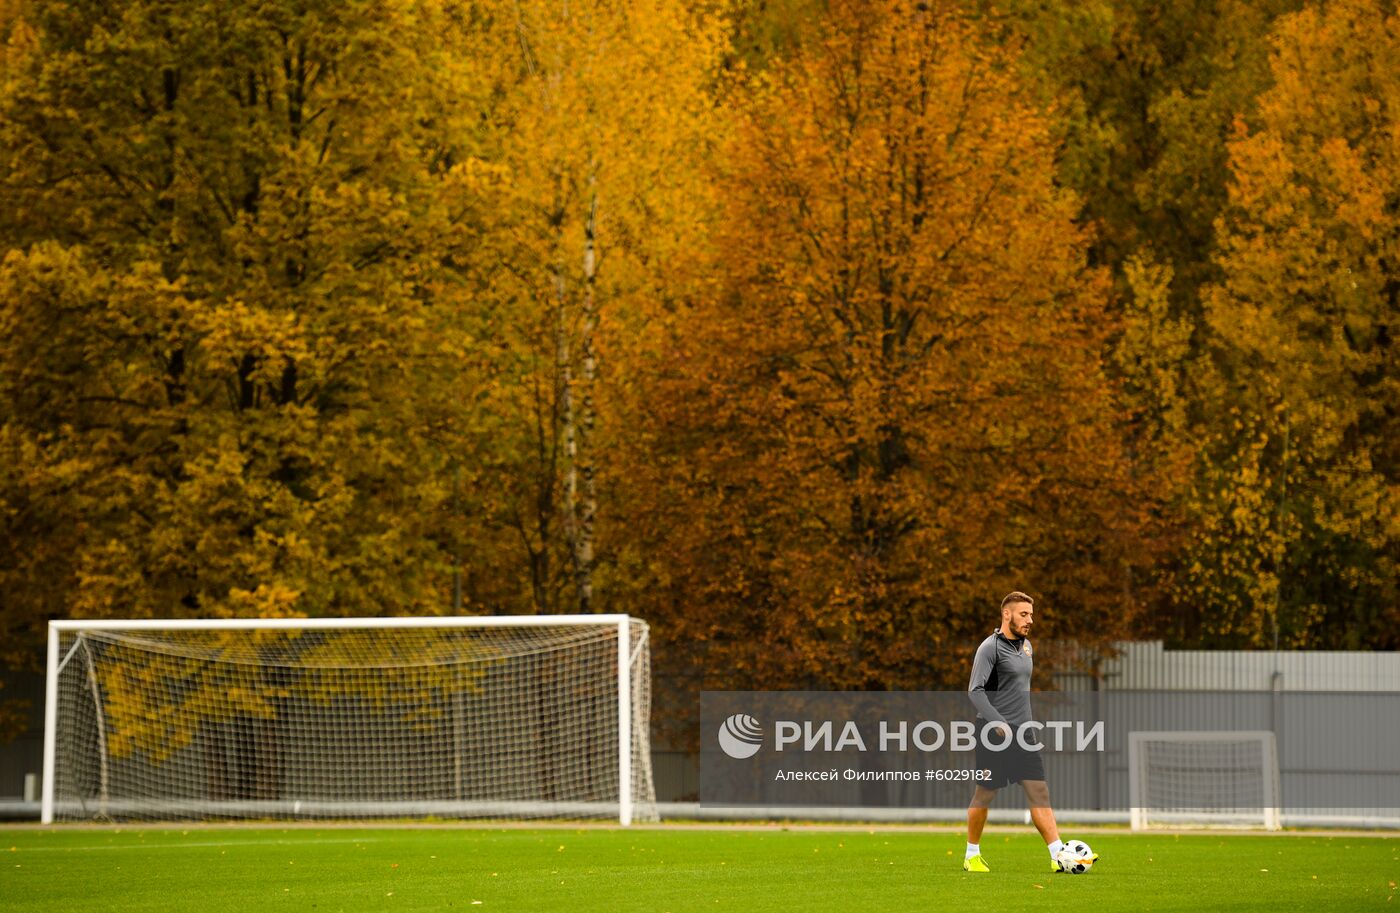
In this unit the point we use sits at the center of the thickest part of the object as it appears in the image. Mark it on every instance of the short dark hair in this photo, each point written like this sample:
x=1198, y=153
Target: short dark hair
x=1016, y=596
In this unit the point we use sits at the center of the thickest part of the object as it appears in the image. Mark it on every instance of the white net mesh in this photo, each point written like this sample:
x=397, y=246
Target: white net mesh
x=453, y=722
x=1212, y=779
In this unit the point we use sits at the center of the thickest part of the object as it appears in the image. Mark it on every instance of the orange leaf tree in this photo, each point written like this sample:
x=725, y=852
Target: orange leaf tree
x=884, y=405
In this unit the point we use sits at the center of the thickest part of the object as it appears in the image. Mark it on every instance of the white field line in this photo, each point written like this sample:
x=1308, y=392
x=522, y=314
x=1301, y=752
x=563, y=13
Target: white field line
x=291, y=827
x=313, y=842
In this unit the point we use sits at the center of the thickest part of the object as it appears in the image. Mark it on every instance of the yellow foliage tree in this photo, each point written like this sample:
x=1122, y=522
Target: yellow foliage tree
x=603, y=127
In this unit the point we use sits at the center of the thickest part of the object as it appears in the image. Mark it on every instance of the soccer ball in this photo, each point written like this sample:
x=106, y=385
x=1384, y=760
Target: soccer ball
x=1076, y=857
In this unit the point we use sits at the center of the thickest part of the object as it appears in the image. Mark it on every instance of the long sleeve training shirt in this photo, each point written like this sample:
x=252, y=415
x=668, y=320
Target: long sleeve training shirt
x=1000, y=687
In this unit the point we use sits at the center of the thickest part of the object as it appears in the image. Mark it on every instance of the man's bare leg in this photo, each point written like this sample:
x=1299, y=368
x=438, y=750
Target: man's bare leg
x=1042, y=815
x=977, y=813
x=976, y=819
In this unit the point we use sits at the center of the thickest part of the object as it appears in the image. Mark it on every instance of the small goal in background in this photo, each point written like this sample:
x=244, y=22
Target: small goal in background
x=1203, y=779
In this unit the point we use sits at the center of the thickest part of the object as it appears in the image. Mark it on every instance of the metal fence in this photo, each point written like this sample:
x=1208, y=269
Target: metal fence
x=1148, y=666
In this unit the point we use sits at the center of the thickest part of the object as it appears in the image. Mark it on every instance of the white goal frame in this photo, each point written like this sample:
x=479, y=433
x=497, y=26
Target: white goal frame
x=1270, y=815
x=624, y=668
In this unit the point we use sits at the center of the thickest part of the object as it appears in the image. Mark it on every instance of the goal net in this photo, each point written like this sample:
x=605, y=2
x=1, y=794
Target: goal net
x=490, y=717
x=1210, y=779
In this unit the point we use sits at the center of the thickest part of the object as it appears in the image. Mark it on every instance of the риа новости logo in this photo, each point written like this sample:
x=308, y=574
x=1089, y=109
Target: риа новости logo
x=740, y=736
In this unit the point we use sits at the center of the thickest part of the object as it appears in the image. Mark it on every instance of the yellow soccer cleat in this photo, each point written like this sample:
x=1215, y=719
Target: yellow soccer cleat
x=975, y=864
x=1055, y=866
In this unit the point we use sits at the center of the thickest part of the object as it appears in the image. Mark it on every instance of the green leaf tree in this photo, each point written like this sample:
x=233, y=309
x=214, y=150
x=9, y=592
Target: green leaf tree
x=1299, y=533
x=235, y=340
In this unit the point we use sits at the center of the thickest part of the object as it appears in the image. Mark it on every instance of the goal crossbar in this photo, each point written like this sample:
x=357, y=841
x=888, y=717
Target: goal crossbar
x=625, y=656
x=305, y=624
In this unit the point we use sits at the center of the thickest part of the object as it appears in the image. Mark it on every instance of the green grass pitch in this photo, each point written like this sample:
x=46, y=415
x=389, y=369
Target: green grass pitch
x=674, y=869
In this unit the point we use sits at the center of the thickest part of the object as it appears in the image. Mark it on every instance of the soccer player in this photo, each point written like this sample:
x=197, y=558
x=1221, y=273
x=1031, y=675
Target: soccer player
x=1000, y=689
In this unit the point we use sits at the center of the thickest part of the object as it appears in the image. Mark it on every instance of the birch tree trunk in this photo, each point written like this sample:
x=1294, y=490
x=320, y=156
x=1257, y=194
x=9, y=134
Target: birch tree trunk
x=583, y=497
x=568, y=421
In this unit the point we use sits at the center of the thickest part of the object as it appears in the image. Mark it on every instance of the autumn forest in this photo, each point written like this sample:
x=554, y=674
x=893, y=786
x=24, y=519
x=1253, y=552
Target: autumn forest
x=803, y=330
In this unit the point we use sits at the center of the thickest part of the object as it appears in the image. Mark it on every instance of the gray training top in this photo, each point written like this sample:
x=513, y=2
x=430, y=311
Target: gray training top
x=1000, y=687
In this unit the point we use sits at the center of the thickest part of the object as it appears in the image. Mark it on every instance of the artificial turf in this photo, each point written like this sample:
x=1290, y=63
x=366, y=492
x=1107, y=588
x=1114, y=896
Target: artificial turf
x=655, y=871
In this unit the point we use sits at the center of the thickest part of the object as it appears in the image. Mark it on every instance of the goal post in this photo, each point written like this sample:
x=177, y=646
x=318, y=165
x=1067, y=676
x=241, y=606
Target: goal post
x=1203, y=779
x=537, y=716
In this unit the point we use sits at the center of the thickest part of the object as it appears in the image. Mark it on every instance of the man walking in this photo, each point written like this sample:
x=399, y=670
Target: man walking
x=1000, y=690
